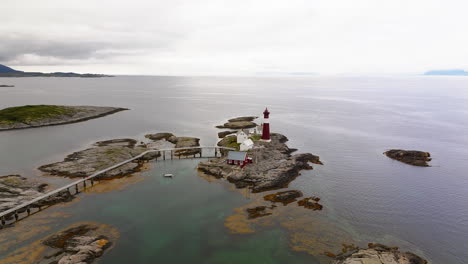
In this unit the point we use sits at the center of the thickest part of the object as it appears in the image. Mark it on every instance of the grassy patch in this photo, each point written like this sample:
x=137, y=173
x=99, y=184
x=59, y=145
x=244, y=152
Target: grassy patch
x=28, y=113
x=12, y=182
x=255, y=137
x=232, y=143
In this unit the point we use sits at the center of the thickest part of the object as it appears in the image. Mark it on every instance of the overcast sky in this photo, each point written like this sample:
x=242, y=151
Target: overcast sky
x=215, y=37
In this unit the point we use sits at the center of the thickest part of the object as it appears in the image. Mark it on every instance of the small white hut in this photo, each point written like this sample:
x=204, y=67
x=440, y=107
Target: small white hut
x=246, y=145
x=241, y=136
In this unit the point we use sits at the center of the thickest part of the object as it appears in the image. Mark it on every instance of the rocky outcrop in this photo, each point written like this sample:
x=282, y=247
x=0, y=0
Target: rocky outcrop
x=225, y=133
x=179, y=142
x=412, y=157
x=285, y=197
x=273, y=167
x=73, y=115
x=240, y=123
x=102, y=155
x=243, y=118
x=159, y=136
x=76, y=246
x=378, y=254
x=16, y=190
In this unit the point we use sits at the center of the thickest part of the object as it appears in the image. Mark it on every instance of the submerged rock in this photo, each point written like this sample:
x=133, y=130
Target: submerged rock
x=285, y=197
x=259, y=211
x=378, y=254
x=311, y=203
x=412, y=157
x=273, y=166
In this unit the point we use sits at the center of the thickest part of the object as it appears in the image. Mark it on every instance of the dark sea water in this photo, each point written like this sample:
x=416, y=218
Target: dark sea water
x=348, y=122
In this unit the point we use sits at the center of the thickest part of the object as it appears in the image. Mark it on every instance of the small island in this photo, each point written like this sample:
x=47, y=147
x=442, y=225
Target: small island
x=30, y=116
x=411, y=157
x=6, y=71
x=6, y=86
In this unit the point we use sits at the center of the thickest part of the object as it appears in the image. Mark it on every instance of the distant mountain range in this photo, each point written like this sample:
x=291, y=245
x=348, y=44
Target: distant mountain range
x=455, y=72
x=6, y=71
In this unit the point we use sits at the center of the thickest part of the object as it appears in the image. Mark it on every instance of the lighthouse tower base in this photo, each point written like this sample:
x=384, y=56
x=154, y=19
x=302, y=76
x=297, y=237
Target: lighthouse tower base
x=265, y=140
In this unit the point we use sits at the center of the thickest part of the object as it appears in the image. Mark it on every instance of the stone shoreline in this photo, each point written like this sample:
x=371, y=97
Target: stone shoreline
x=81, y=113
x=274, y=167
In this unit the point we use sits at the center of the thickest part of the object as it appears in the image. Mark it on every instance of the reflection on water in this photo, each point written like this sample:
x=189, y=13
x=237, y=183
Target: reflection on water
x=348, y=122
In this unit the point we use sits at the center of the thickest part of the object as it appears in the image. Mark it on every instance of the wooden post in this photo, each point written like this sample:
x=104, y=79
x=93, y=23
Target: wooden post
x=164, y=155
x=84, y=184
x=16, y=215
x=3, y=221
x=28, y=210
x=76, y=188
x=172, y=155
x=216, y=152
x=92, y=182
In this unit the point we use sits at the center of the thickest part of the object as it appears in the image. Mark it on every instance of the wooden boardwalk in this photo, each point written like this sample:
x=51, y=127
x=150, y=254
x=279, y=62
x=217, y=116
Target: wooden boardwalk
x=14, y=214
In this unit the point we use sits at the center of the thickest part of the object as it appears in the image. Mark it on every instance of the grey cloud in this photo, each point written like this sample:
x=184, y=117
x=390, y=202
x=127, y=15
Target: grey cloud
x=13, y=47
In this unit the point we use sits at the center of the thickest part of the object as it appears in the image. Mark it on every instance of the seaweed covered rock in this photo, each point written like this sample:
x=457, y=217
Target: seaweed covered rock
x=76, y=245
x=285, y=197
x=310, y=203
x=378, y=254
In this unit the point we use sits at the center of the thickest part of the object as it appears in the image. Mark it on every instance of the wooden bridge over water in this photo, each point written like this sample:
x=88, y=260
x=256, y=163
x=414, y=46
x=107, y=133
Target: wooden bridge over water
x=23, y=210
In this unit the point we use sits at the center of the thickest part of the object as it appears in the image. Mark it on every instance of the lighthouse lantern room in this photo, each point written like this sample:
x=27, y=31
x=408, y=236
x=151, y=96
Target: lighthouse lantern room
x=266, y=126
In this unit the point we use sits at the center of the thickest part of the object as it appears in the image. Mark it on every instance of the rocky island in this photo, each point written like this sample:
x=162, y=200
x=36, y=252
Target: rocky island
x=5, y=85
x=412, y=157
x=273, y=167
x=30, y=116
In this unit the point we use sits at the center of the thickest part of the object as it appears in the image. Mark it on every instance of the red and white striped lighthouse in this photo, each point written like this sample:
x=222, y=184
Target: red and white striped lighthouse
x=266, y=126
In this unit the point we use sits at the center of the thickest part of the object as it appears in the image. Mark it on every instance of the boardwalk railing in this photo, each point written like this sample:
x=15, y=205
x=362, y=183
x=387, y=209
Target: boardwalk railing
x=14, y=212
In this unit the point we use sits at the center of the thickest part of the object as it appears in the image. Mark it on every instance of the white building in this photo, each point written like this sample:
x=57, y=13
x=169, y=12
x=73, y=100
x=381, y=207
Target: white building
x=246, y=145
x=241, y=137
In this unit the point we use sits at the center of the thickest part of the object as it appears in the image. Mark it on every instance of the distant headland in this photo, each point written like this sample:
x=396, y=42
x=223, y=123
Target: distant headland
x=453, y=72
x=6, y=71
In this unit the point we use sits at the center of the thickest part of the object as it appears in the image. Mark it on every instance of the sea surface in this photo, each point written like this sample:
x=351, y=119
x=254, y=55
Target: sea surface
x=349, y=122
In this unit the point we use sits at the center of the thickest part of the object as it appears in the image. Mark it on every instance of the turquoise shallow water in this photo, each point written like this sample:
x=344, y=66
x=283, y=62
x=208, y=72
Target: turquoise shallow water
x=349, y=122
x=175, y=220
